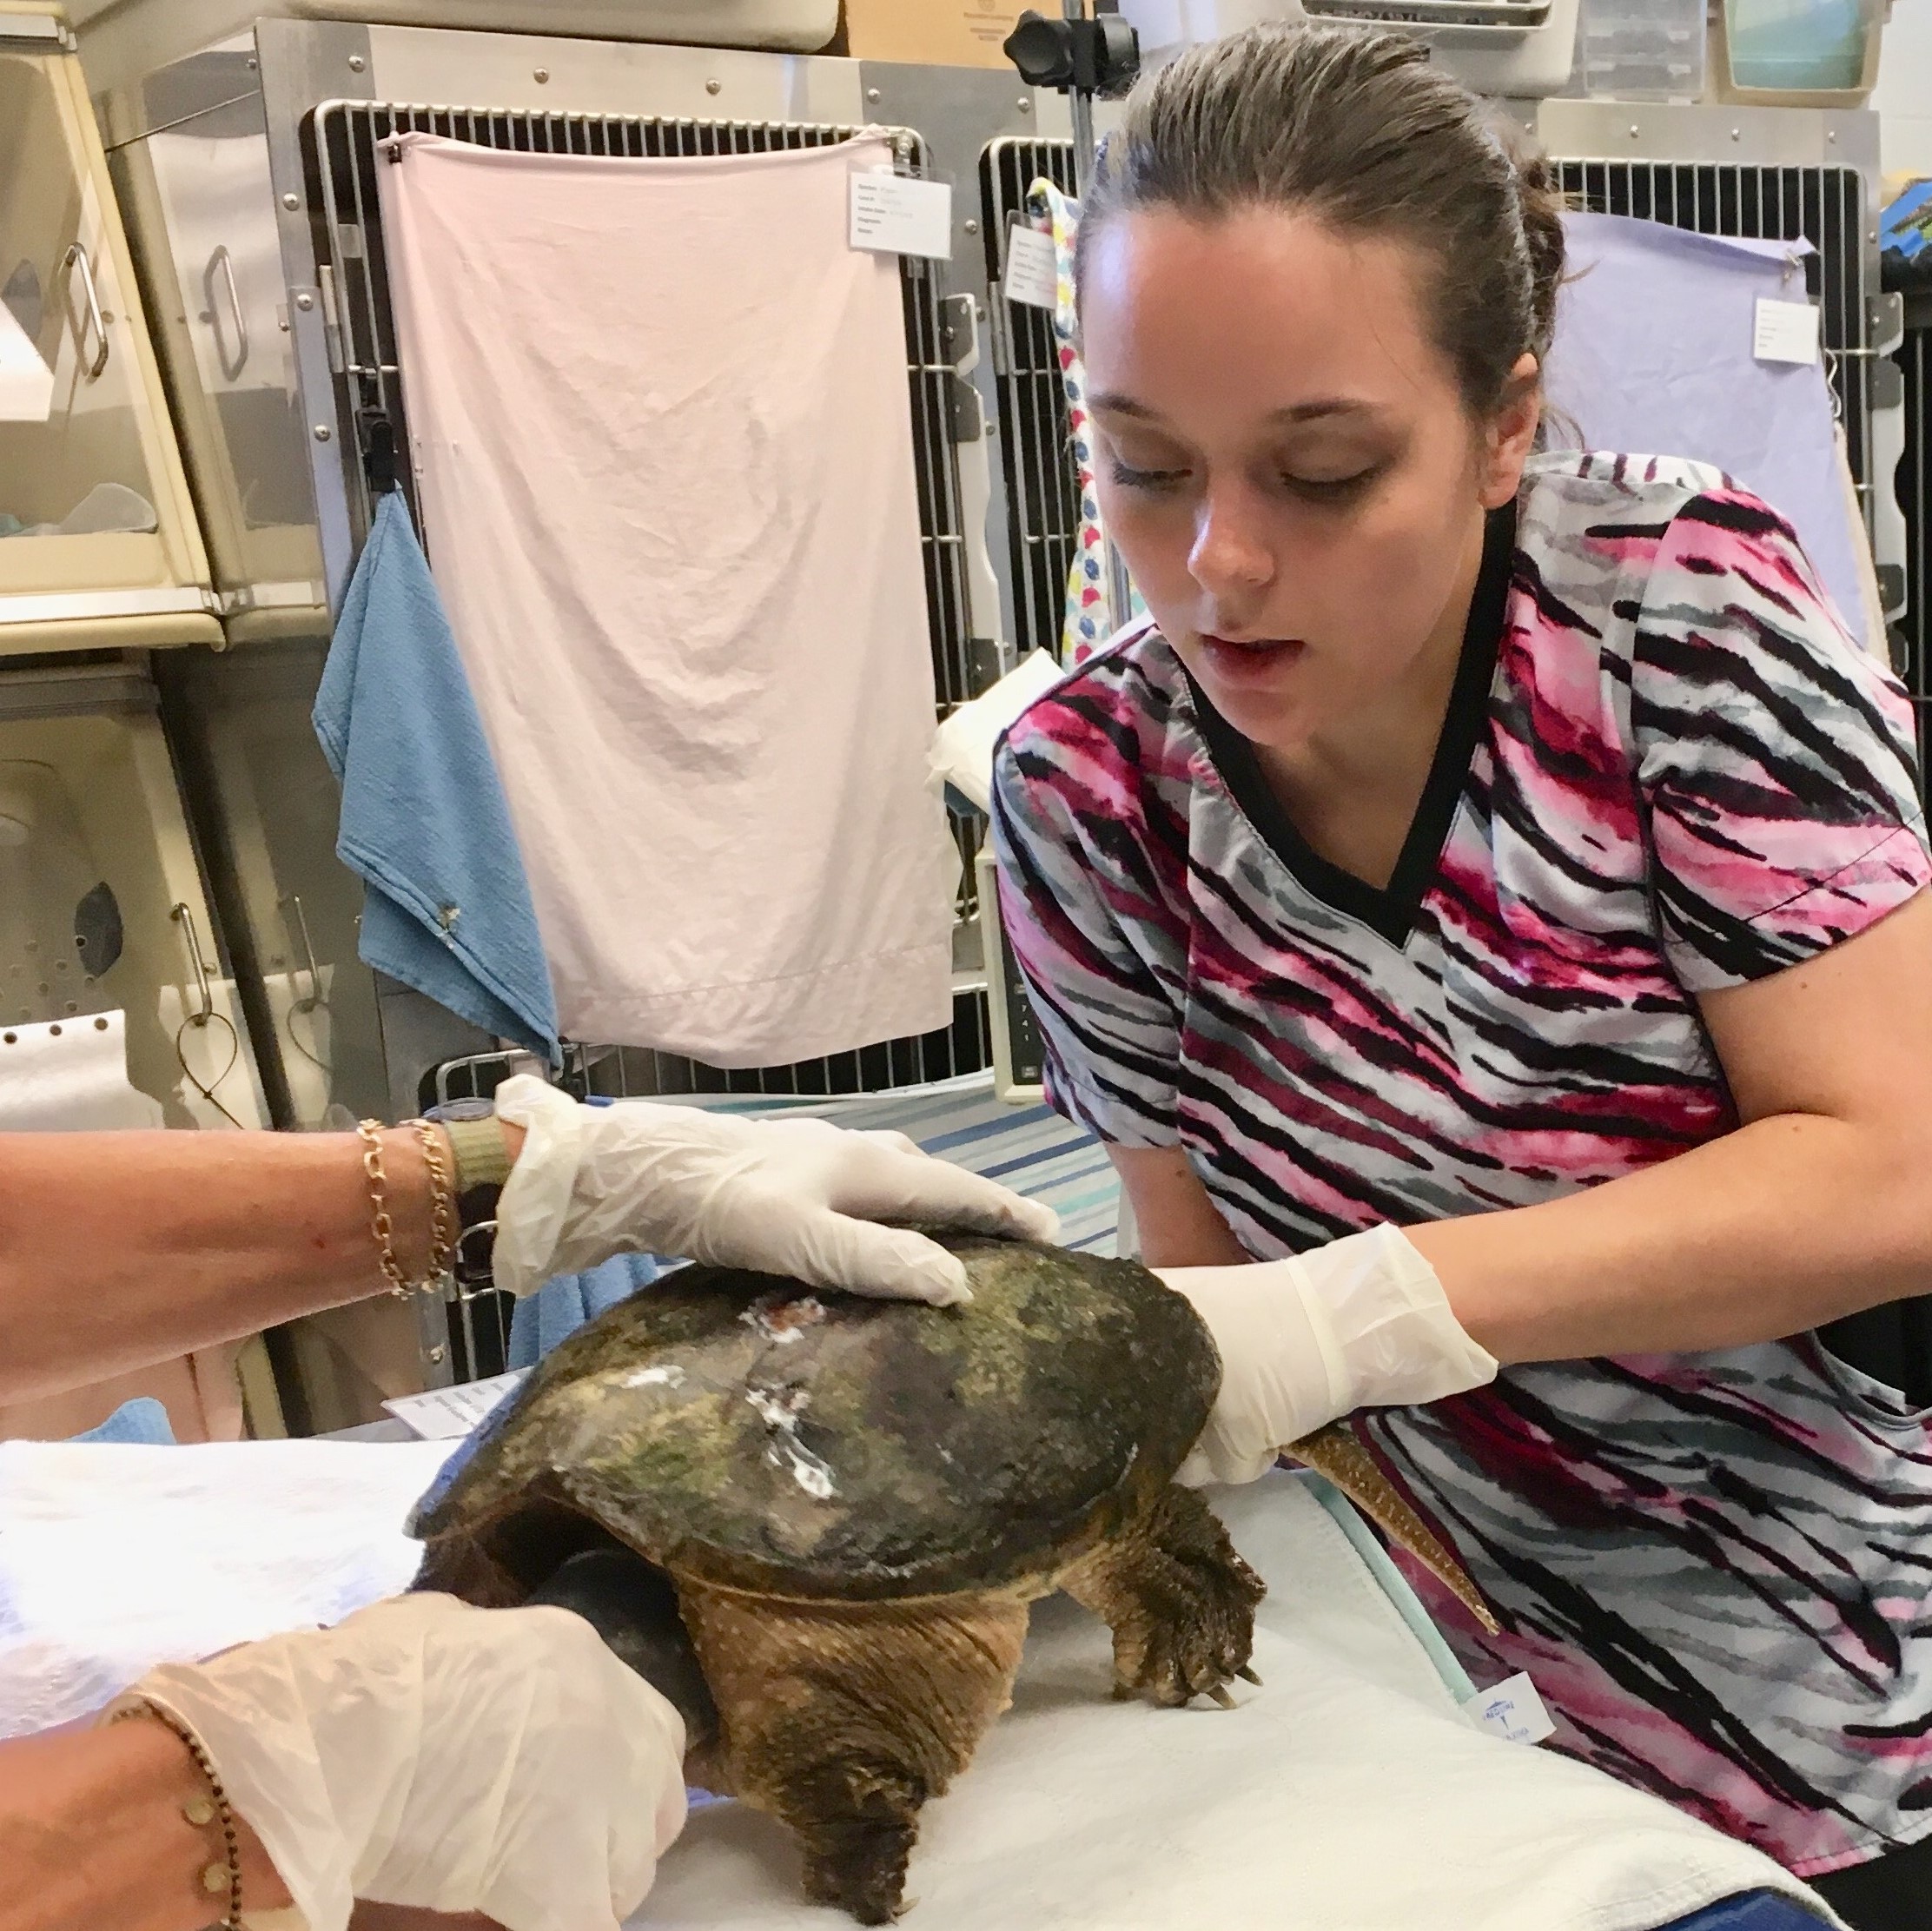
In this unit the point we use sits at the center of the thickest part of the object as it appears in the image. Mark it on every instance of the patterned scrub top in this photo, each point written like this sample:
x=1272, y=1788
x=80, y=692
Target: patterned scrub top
x=1665, y=768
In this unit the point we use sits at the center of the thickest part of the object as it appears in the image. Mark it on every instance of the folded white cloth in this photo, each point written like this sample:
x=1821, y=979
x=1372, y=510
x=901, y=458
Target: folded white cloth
x=115, y=1556
x=1347, y=1794
x=962, y=748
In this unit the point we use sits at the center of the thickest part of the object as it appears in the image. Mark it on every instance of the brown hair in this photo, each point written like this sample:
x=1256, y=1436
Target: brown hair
x=1360, y=130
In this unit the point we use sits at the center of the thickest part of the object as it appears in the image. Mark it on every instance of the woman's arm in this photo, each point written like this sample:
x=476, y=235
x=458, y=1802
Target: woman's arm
x=1178, y=1223
x=1818, y=1206
x=119, y=1250
x=92, y=1832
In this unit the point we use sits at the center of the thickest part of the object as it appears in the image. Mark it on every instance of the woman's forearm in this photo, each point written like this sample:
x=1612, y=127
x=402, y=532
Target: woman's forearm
x=119, y=1250
x=1787, y=1223
x=93, y=1834
x=1780, y=1226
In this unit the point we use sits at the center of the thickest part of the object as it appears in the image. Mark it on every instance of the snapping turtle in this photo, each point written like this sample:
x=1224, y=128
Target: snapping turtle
x=816, y=1524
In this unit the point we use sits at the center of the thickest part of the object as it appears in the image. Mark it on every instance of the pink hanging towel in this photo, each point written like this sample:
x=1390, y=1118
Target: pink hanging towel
x=659, y=427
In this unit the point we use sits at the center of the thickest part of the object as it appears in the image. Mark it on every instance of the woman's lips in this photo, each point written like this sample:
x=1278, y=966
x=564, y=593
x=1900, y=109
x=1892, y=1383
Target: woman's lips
x=1249, y=660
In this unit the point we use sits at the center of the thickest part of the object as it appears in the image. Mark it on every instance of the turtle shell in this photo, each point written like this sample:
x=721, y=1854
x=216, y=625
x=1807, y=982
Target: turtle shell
x=738, y=1428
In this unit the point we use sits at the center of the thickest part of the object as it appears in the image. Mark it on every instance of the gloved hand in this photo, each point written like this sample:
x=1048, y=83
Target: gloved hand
x=782, y=1196
x=427, y=1752
x=1362, y=1322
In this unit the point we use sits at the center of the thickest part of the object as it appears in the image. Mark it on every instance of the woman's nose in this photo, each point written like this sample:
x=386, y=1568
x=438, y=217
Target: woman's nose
x=1230, y=555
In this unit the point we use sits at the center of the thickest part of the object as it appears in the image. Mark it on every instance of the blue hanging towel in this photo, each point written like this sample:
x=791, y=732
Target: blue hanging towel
x=425, y=824
x=561, y=1306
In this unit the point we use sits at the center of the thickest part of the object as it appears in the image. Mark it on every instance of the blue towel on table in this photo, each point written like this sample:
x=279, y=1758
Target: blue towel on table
x=425, y=824
x=142, y=1420
x=560, y=1307
x=1753, y=1911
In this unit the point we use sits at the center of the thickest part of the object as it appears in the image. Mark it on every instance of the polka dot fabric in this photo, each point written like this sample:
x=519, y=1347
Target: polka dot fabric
x=1088, y=621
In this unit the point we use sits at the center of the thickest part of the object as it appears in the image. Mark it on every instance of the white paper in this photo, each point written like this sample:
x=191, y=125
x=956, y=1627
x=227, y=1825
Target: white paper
x=1512, y=1709
x=1032, y=269
x=900, y=215
x=26, y=382
x=442, y=1414
x=70, y=1076
x=1784, y=331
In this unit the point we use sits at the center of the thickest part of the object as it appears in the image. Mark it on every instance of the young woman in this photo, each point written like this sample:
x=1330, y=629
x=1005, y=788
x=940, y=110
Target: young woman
x=1483, y=910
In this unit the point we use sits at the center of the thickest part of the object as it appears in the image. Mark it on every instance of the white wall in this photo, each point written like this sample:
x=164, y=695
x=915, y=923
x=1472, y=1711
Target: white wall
x=1904, y=96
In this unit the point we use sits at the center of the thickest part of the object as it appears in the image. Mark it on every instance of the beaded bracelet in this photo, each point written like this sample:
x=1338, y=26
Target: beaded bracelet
x=223, y=1874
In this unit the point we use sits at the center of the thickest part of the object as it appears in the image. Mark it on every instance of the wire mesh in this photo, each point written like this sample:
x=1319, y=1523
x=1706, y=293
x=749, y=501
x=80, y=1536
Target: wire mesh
x=1042, y=487
x=343, y=149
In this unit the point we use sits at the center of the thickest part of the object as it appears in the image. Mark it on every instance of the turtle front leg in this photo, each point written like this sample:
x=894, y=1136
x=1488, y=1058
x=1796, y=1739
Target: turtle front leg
x=842, y=1720
x=1178, y=1600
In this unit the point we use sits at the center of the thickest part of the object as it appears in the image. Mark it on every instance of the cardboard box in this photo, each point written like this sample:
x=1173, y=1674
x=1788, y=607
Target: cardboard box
x=935, y=33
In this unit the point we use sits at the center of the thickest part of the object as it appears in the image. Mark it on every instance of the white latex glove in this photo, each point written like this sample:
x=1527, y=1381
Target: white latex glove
x=427, y=1752
x=795, y=1197
x=1362, y=1322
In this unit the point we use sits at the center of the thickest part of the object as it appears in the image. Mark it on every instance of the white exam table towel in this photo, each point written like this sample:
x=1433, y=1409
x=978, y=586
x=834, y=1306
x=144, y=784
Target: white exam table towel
x=1347, y=1794
x=115, y=1556
x=659, y=417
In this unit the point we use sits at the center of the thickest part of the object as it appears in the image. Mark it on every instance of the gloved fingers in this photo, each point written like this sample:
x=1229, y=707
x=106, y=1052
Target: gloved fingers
x=896, y=1142
x=536, y=1201
x=859, y=1257
x=889, y=1185
x=1214, y=1463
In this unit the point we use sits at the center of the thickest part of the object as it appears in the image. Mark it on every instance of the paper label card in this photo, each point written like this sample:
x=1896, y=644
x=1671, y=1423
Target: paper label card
x=1785, y=331
x=442, y=1414
x=897, y=214
x=1513, y=1709
x=1032, y=269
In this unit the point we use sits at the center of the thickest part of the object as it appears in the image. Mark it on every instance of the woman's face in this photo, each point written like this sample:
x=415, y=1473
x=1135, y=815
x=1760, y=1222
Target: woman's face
x=1285, y=460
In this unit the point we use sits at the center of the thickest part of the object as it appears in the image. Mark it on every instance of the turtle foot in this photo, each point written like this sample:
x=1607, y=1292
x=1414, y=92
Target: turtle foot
x=1178, y=1600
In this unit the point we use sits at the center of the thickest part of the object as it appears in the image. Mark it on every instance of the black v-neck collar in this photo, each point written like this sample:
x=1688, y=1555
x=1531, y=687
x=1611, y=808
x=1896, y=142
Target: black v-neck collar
x=1388, y=909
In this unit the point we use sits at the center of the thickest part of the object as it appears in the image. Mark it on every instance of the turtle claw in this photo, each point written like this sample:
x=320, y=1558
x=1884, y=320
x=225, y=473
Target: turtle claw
x=1248, y=1675
x=1219, y=1694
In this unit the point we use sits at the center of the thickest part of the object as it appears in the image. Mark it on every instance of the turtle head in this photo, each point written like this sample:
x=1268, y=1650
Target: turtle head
x=632, y=1605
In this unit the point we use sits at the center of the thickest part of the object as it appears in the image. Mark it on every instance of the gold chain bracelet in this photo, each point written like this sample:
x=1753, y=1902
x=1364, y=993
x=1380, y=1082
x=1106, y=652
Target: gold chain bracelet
x=442, y=1208
x=443, y=1230
x=223, y=1874
x=370, y=1132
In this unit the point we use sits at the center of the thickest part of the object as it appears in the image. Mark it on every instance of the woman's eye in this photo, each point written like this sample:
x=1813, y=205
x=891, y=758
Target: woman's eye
x=1126, y=476
x=1332, y=489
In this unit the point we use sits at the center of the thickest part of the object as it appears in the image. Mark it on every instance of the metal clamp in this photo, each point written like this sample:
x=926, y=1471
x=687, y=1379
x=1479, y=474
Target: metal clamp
x=220, y=259
x=185, y=919
x=299, y=930
x=76, y=257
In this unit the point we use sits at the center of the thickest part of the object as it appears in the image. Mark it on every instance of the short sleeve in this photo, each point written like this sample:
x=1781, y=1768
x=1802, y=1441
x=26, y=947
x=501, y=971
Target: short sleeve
x=1775, y=758
x=1083, y=912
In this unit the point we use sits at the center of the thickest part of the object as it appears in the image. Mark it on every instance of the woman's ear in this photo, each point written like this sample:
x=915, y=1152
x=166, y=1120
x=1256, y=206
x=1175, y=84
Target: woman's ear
x=1512, y=433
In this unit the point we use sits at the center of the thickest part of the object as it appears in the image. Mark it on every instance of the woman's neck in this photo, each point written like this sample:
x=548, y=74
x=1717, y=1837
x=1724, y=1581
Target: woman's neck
x=1352, y=789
